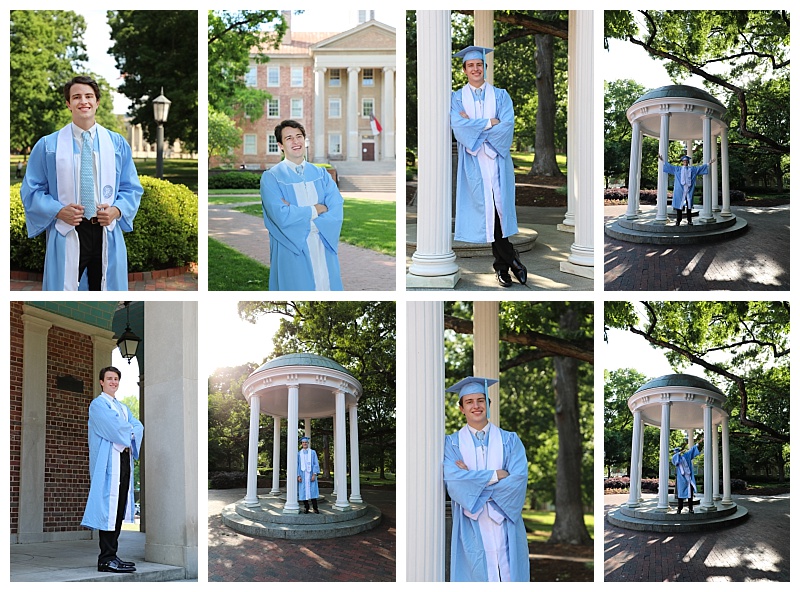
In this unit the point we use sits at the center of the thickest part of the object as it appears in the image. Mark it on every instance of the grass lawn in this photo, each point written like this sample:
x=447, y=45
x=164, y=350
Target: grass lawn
x=524, y=160
x=540, y=524
x=230, y=270
x=367, y=223
x=176, y=170
x=229, y=198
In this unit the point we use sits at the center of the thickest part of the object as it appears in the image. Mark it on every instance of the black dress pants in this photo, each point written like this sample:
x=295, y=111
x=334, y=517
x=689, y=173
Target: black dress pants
x=109, y=539
x=90, y=236
x=502, y=249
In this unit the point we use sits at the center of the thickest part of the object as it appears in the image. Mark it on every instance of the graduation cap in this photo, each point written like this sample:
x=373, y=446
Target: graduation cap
x=473, y=52
x=472, y=385
x=305, y=439
x=686, y=158
x=676, y=449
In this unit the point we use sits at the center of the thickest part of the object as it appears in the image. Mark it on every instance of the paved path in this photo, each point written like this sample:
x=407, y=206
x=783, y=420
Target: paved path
x=757, y=550
x=366, y=557
x=757, y=260
x=362, y=269
x=186, y=282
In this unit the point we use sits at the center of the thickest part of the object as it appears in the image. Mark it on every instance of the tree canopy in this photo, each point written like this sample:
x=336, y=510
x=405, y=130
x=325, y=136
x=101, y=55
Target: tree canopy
x=743, y=58
x=743, y=348
x=155, y=50
x=47, y=50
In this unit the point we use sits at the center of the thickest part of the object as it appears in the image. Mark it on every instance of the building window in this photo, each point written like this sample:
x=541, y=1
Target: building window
x=335, y=78
x=368, y=77
x=297, y=76
x=273, y=76
x=334, y=108
x=297, y=108
x=272, y=145
x=334, y=143
x=251, y=78
x=367, y=107
x=274, y=108
x=250, y=144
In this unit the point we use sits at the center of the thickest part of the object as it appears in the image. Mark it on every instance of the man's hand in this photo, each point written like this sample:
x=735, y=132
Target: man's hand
x=313, y=477
x=71, y=214
x=106, y=214
x=501, y=474
x=464, y=114
x=299, y=479
x=321, y=208
x=494, y=121
x=461, y=465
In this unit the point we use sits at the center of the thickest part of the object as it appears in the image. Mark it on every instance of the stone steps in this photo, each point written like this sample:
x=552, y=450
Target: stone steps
x=368, y=183
x=646, y=519
x=645, y=230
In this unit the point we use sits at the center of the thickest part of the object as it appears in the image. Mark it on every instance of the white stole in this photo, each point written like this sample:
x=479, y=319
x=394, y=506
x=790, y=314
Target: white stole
x=305, y=193
x=489, y=112
x=494, y=460
x=68, y=194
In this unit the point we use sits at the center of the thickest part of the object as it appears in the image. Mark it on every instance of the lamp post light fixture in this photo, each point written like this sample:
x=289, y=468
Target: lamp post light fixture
x=161, y=112
x=128, y=342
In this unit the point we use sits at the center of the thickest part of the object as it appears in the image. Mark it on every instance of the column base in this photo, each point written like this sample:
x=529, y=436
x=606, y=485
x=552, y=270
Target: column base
x=274, y=491
x=566, y=228
x=585, y=271
x=704, y=220
x=342, y=508
x=441, y=282
x=356, y=499
x=251, y=503
x=295, y=509
x=727, y=502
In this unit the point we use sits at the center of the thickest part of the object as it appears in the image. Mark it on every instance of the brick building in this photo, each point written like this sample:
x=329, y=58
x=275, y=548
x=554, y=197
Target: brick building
x=56, y=352
x=332, y=83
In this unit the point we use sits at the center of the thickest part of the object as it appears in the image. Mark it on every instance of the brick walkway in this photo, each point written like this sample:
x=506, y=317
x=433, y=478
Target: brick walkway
x=757, y=260
x=757, y=550
x=182, y=282
x=365, y=557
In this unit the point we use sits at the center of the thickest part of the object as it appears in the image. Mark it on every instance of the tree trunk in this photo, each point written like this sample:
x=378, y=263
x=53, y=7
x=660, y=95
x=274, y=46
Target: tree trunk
x=569, y=527
x=544, y=159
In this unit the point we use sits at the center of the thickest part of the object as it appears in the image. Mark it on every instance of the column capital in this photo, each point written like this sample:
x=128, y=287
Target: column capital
x=390, y=69
x=351, y=69
x=320, y=69
x=32, y=323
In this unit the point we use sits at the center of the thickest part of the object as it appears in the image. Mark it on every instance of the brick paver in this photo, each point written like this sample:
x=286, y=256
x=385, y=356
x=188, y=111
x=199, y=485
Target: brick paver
x=184, y=282
x=366, y=557
x=756, y=550
x=757, y=260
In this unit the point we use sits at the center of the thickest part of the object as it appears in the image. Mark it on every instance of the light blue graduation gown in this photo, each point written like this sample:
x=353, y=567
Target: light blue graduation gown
x=301, y=487
x=470, y=198
x=290, y=225
x=108, y=426
x=679, y=198
x=39, y=193
x=682, y=481
x=469, y=490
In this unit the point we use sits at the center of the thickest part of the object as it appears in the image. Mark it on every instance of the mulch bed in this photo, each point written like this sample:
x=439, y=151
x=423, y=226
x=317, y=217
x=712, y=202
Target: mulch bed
x=562, y=570
x=763, y=202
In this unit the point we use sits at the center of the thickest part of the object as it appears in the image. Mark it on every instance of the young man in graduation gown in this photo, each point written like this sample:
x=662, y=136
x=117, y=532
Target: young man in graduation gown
x=482, y=118
x=303, y=212
x=683, y=188
x=307, y=471
x=486, y=475
x=82, y=190
x=685, y=485
x=115, y=438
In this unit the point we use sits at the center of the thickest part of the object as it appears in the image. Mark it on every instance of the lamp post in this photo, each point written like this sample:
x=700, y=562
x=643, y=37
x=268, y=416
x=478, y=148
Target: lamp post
x=161, y=111
x=128, y=342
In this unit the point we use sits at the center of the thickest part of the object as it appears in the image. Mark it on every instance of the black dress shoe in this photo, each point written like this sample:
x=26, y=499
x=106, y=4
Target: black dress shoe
x=503, y=278
x=520, y=271
x=125, y=563
x=116, y=567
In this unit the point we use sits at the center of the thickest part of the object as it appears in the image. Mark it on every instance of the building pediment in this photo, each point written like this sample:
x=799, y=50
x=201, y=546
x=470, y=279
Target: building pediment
x=371, y=35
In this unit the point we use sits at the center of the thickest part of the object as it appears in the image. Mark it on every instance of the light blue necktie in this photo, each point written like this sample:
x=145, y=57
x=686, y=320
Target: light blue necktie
x=481, y=435
x=87, y=176
x=299, y=169
x=479, y=94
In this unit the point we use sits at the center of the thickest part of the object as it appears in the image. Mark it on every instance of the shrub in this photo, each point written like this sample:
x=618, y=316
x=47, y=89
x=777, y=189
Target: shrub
x=227, y=480
x=738, y=485
x=164, y=230
x=235, y=180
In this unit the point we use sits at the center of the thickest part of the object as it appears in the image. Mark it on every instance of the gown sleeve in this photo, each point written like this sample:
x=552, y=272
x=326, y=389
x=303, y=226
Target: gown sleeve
x=288, y=224
x=130, y=189
x=329, y=223
x=41, y=207
x=469, y=489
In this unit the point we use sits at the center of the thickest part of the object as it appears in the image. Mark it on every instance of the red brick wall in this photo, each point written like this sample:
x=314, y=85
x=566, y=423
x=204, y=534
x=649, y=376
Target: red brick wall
x=15, y=412
x=66, y=449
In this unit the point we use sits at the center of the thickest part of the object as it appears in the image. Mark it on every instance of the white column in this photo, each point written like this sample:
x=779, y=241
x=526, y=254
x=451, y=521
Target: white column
x=355, y=472
x=580, y=132
x=276, y=456
x=641, y=456
x=639, y=175
x=433, y=264
x=636, y=477
x=353, y=144
x=319, y=114
x=425, y=501
x=171, y=416
x=568, y=224
x=34, y=429
x=715, y=452
x=292, y=506
x=307, y=427
x=251, y=497
x=707, y=216
x=483, y=26
x=726, y=464
x=690, y=437
x=387, y=116
x=724, y=166
x=663, y=178
x=708, y=467
x=486, y=345
x=340, y=454
x=663, y=460
x=633, y=173
x=712, y=173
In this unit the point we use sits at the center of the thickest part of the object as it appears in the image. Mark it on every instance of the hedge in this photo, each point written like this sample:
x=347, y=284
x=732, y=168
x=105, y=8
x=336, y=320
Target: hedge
x=164, y=230
x=235, y=180
x=649, y=196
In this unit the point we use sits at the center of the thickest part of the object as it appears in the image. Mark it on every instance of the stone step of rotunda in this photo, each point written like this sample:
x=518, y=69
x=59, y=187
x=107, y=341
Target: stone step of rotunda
x=703, y=522
x=270, y=510
x=648, y=224
x=366, y=520
x=649, y=512
x=667, y=235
